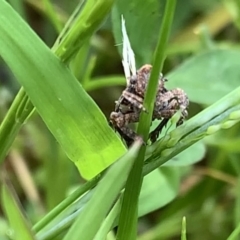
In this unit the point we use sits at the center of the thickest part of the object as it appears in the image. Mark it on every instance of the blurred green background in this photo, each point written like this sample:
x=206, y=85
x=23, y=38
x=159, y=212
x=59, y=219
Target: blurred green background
x=202, y=58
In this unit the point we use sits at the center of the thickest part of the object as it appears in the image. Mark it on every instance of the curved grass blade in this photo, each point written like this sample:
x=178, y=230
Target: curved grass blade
x=107, y=225
x=114, y=179
x=235, y=234
x=221, y=115
x=226, y=110
x=70, y=114
x=14, y=214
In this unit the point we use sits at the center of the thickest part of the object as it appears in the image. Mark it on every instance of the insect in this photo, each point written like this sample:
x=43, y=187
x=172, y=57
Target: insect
x=130, y=104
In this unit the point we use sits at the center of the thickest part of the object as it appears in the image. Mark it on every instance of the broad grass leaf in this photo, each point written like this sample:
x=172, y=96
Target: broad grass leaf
x=68, y=111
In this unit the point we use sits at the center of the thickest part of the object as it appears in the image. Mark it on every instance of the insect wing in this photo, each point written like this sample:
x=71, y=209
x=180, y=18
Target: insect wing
x=128, y=61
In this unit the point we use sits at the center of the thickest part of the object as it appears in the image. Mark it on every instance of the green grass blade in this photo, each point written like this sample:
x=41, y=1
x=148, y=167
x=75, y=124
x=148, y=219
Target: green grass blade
x=235, y=234
x=71, y=115
x=149, y=100
x=191, y=132
x=150, y=199
x=104, y=195
x=21, y=108
x=107, y=225
x=184, y=229
x=128, y=216
x=53, y=17
x=64, y=204
x=221, y=115
x=84, y=26
x=65, y=219
x=18, y=5
x=15, y=217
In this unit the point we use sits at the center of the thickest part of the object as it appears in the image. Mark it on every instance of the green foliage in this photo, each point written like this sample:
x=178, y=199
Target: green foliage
x=114, y=179
x=215, y=72
x=74, y=85
x=127, y=228
x=139, y=15
x=50, y=87
x=20, y=227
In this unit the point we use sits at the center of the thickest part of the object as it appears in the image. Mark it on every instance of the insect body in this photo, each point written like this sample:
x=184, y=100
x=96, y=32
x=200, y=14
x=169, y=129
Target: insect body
x=130, y=104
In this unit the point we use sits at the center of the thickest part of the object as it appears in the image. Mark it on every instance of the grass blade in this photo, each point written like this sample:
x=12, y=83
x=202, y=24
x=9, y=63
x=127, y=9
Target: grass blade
x=184, y=230
x=107, y=225
x=64, y=204
x=114, y=180
x=84, y=26
x=71, y=115
x=128, y=215
x=21, y=108
x=235, y=234
x=16, y=219
x=192, y=131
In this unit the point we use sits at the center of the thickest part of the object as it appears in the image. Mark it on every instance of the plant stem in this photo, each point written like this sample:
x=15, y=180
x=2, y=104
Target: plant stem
x=65, y=203
x=192, y=131
x=128, y=216
x=19, y=111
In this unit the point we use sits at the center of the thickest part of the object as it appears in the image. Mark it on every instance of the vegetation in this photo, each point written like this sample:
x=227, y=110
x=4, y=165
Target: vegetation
x=56, y=96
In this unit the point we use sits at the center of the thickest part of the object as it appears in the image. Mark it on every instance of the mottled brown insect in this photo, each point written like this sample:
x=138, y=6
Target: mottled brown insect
x=130, y=104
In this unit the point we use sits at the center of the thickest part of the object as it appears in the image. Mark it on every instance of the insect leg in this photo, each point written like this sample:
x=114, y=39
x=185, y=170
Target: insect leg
x=134, y=100
x=153, y=136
